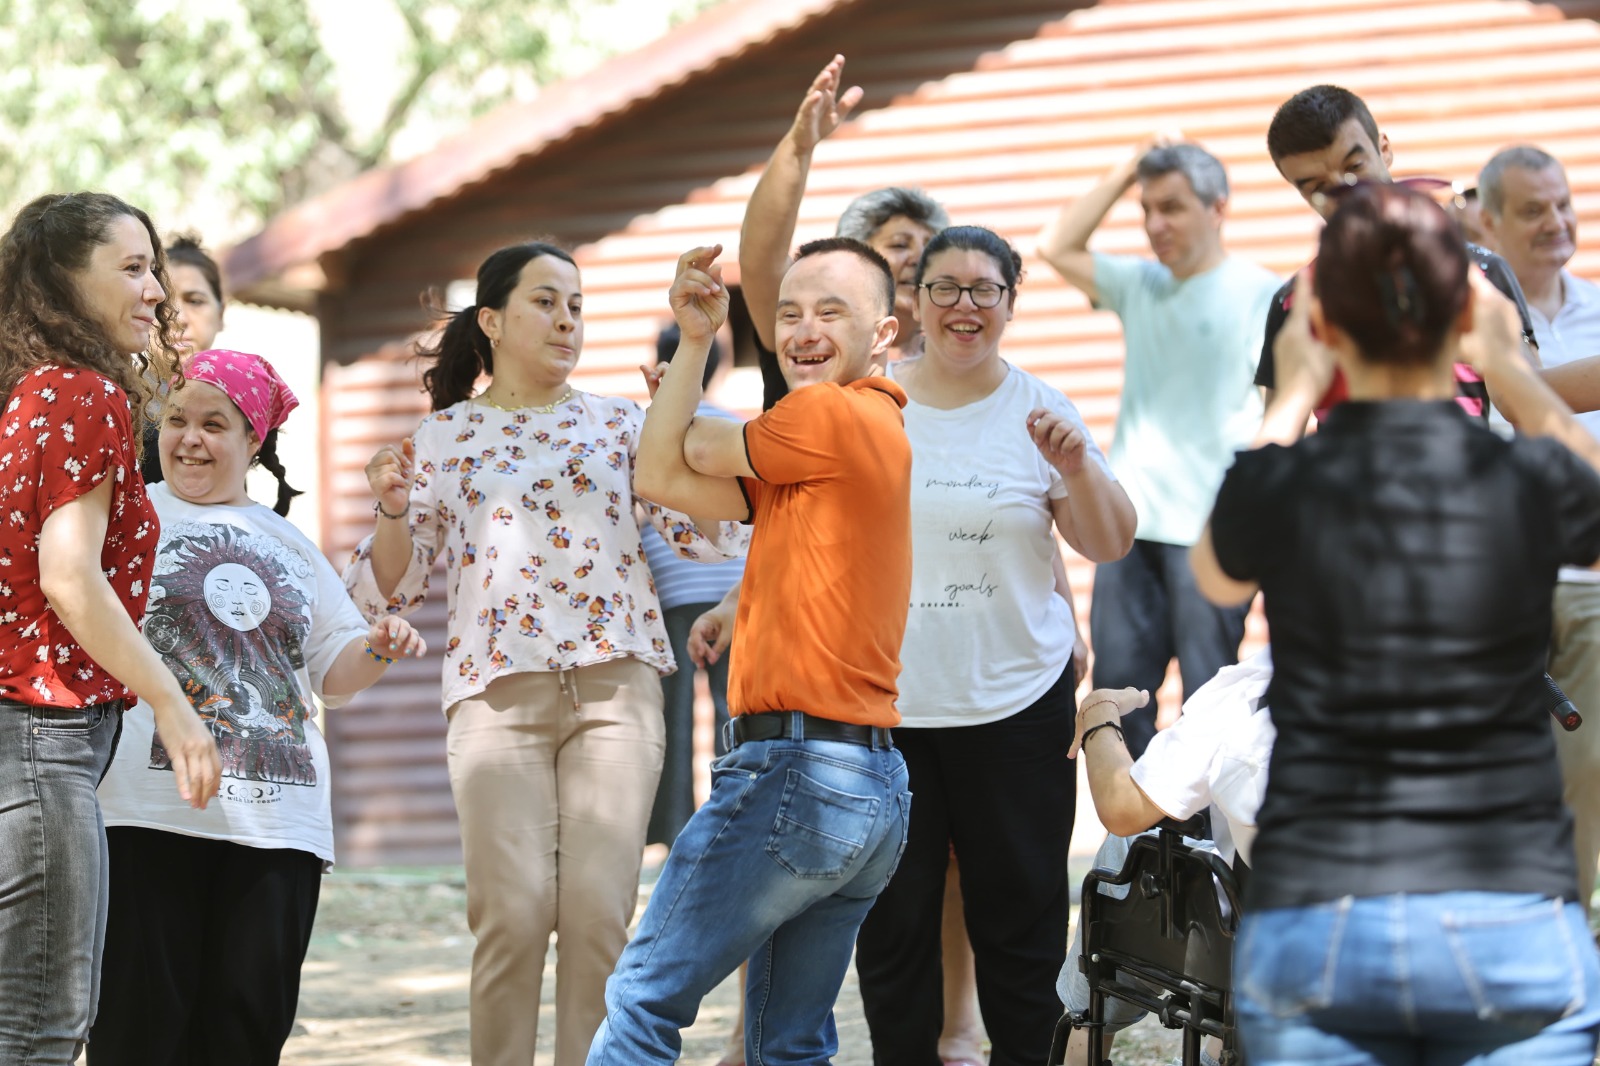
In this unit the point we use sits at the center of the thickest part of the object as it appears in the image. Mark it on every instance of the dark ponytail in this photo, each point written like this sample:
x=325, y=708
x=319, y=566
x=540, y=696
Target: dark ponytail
x=462, y=351
x=267, y=456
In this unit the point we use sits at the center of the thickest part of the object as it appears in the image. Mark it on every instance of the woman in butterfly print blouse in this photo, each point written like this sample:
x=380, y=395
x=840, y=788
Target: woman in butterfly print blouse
x=555, y=640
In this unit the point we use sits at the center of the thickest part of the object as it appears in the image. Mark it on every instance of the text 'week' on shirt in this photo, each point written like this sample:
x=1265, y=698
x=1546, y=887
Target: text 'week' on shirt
x=987, y=634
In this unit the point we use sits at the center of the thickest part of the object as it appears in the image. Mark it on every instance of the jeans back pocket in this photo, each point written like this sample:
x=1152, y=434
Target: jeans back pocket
x=1288, y=957
x=820, y=830
x=1520, y=963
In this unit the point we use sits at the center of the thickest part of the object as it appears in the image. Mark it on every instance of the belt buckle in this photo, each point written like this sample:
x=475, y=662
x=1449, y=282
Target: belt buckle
x=729, y=741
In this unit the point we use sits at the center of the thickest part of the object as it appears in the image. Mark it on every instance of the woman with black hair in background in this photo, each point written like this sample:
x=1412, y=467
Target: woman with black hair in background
x=556, y=640
x=196, y=297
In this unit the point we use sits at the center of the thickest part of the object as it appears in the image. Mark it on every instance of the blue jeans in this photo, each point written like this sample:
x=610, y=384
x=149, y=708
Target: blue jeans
x=53, y=873
x=1146, y=609
x=779, y=867
x=1445, y=979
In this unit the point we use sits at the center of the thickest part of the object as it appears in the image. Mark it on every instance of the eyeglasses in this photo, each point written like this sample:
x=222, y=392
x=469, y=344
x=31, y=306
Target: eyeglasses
x=1438, y=190
x=947, y=293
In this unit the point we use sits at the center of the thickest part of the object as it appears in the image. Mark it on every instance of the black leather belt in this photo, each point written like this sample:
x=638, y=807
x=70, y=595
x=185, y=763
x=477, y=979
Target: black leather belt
x=798, y=725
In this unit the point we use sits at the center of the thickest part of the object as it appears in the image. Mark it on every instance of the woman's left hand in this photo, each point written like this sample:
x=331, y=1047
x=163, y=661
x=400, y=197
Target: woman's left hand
x=1063, y=444
x=1105, y=705
x=394, y=638
x=1298, y=355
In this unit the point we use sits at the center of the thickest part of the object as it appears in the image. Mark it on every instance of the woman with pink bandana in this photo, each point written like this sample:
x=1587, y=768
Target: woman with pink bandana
x=211, y=910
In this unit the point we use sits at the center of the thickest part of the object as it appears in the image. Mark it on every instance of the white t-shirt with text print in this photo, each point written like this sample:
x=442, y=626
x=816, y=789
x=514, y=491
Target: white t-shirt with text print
x=987, y=635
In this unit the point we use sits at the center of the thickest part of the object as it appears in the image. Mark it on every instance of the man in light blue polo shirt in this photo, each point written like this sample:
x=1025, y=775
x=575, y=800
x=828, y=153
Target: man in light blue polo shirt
x=1192, y=322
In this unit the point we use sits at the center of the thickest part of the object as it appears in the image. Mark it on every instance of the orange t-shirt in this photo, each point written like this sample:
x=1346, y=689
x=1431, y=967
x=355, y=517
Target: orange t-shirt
x=828, y=580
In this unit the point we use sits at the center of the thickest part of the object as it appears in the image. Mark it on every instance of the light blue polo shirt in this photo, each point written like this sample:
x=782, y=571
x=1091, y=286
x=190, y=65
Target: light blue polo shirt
x=1189, y=399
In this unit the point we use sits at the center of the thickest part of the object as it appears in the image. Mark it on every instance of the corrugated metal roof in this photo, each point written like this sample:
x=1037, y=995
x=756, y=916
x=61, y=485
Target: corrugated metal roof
x=1003, y=133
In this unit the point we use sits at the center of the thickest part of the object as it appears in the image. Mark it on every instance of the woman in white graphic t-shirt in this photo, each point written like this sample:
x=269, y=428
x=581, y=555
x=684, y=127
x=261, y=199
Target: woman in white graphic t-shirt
x=1000, y=462
x=211, y=910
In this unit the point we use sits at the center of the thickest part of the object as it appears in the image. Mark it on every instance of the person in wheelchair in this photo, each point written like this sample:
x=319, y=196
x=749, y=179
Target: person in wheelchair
x=1214, y=757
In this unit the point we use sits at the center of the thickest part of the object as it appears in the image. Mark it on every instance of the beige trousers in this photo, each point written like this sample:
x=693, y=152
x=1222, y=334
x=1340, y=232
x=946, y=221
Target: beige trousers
x=1575, y=665
x=553, y=775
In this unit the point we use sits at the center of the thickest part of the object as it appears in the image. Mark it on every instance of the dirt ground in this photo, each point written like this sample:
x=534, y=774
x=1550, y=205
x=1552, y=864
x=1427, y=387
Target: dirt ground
x=386, y=981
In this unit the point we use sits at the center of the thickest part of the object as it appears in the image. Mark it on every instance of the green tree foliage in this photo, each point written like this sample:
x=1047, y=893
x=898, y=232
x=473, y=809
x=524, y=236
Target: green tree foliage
x=230, y=109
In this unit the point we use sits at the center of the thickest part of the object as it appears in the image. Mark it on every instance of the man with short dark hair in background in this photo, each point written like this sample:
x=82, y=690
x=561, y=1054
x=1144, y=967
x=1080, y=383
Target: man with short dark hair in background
x=1322, y=140
x=1527, y=207
x=1191, y=318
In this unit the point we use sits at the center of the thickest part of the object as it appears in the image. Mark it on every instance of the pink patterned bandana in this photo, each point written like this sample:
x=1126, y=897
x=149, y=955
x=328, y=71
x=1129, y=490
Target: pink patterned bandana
x=250, y=382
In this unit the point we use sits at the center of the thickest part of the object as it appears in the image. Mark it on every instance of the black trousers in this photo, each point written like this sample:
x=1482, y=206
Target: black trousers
x=203, y=950
x=1003, y=794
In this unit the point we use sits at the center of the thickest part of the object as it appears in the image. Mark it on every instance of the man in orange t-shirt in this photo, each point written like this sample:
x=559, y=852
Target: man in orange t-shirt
x=808, y=811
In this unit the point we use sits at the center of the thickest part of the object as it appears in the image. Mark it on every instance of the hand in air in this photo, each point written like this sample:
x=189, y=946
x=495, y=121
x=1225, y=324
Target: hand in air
x=709, y=637
x=395, y=638
x=1496, y=335
x=1063, y=444
x=825, y=108
x=653, y=377
x=1105, y=705
x=389, y=475
x=698, y=297
x=1299, y=358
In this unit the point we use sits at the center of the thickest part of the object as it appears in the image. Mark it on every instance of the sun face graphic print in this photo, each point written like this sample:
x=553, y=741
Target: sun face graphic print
x=230, y=620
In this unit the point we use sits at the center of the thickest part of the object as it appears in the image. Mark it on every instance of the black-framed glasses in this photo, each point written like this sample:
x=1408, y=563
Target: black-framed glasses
x=984, y=294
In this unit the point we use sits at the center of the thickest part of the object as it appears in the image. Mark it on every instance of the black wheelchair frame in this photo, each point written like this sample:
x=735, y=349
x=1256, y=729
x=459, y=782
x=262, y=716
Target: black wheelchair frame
x=1167, y=946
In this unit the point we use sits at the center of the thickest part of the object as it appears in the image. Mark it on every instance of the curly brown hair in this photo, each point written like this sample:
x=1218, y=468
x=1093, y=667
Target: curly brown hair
x=42, y=318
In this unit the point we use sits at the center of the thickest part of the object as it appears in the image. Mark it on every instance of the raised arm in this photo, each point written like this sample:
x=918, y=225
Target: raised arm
x=88, y=606
x=774, y=207
x=1095, y=517
x=1123, y=807
x=692, y=473
x=389, y=475
x=1064, y=241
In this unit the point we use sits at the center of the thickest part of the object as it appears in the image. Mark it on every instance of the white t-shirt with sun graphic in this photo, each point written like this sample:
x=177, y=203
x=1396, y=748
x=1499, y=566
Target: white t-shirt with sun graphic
x=249, y=616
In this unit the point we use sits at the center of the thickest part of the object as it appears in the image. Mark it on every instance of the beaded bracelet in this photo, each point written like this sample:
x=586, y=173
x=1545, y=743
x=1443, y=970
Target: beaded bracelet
x=384, y=659
x=1092, y=730
x=377, y=507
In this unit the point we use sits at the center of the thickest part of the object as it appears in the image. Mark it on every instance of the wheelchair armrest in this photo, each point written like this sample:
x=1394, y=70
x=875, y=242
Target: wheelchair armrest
x=1194, y=826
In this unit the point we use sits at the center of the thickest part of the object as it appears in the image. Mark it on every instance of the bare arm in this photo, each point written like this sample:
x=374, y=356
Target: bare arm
x=87, y=605
x=1064, y=241
x=712, y=632
x=389, y=476
x=1493, y=347
x=391, y=637
x=662, y=472
x=774, y=208
x=1577, y=383
x=1080, y=648
x=1123, y=807
x=1096, y=517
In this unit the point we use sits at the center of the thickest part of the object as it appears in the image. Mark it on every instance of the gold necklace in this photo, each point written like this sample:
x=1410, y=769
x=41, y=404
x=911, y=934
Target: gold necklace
x=544, y=409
